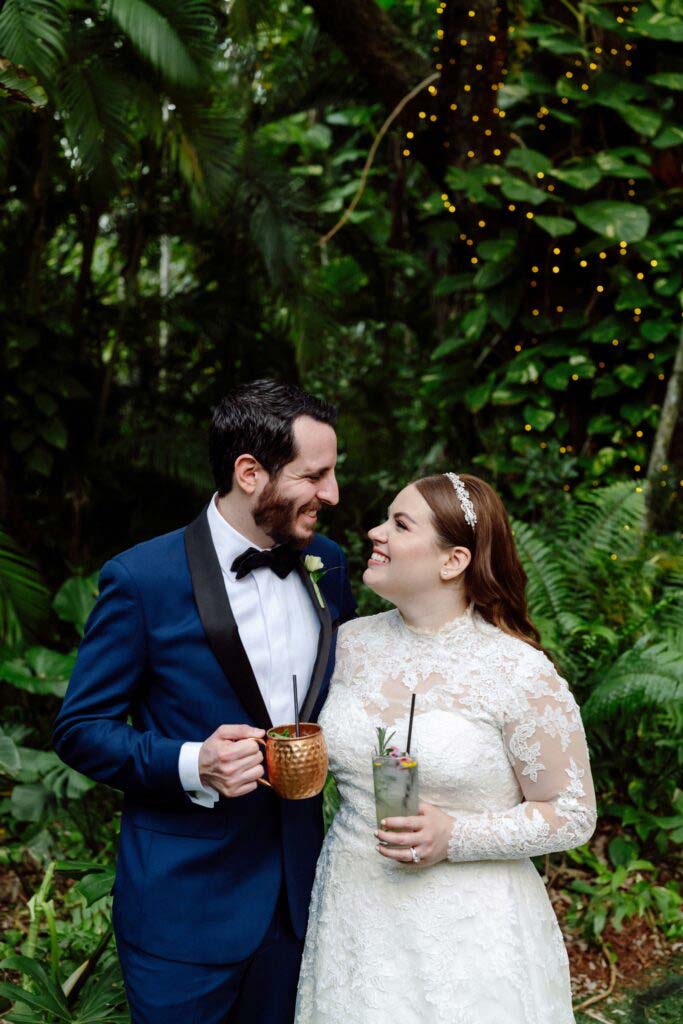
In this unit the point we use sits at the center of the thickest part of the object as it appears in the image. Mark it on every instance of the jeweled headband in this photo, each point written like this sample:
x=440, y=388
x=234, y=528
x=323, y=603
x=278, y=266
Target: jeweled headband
x=464, y=498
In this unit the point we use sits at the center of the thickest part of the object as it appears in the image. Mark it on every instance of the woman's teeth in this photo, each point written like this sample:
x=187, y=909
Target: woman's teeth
x=376, y=557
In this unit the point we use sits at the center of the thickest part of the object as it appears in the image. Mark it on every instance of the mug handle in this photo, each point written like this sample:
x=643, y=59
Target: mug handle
x=263, y=782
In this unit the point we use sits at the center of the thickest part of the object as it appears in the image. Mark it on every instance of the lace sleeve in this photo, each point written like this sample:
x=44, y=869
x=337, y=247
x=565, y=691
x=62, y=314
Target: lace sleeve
x=544, y=739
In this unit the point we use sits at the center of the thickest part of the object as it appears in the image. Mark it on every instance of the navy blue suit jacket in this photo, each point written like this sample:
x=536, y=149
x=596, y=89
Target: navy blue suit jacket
x=161, y=662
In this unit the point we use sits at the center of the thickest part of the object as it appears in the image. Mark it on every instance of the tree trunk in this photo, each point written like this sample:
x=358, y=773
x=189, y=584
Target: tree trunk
x=84, y=279
x=376, y=49
x=665, y=430
x=36, y=218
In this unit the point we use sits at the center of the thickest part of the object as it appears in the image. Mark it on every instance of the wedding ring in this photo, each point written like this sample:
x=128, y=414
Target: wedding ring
x=414, y=854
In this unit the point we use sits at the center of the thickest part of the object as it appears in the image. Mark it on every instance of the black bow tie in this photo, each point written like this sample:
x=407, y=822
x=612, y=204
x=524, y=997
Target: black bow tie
x=281, y=560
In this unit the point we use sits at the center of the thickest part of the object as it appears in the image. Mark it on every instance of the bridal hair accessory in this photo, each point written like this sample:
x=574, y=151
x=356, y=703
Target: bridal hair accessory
x=464, y=498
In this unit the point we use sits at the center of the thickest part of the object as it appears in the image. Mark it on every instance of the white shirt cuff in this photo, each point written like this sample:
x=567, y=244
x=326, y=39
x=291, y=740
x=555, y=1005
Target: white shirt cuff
x=188, y=770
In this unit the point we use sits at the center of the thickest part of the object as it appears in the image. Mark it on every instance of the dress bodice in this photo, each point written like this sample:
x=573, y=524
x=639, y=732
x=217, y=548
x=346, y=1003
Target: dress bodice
x=497, y=733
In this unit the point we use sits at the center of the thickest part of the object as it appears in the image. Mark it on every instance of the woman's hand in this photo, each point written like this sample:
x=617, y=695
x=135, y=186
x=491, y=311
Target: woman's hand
x=428, y=834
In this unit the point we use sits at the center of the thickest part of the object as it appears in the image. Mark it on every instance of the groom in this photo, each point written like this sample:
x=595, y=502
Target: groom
x=187, y=658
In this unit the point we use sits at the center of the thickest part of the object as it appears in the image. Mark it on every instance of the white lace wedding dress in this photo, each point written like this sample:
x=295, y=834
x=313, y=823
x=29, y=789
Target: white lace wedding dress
x=501, y=748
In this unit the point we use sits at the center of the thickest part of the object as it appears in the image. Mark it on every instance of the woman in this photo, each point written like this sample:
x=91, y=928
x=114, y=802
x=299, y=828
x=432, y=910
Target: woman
x=451, y=924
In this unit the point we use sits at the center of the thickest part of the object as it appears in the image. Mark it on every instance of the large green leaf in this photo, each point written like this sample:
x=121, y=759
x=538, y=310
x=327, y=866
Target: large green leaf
x=643, y=120
x=555, y=226
x=515, y=188
x=617, y=221
x=75, y=599
x=583, y=174
x=529, y=160
x=10, y=761
x=668, y=80
x=39, y=670
x=94, y=887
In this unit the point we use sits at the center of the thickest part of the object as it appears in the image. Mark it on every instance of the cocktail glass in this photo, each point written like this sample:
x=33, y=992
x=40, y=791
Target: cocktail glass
x=396, y=786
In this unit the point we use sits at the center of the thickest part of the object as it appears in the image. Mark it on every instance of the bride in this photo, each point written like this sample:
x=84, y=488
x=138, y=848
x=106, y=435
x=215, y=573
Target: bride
x=451, y=923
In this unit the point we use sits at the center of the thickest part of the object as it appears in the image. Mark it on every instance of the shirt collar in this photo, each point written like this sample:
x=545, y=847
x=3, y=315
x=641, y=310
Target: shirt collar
x=228, y=542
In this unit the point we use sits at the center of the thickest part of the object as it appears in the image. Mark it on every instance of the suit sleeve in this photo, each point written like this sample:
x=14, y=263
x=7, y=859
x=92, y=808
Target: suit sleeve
x=91, y=732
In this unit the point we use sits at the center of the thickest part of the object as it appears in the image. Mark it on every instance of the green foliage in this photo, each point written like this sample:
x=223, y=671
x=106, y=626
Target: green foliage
x=23, y=595
x=620, y=891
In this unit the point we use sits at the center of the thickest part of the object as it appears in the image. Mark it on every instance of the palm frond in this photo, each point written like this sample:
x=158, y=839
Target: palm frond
x=157, y=32
x=604, y=520
x=173, y=455
x=650, y=673
x=32, y=34
x=202, y=143
x=96, y=105
x=24, y=598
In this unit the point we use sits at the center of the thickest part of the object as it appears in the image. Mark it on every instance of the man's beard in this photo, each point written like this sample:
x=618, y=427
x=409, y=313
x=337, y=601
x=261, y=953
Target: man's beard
x=276, y=516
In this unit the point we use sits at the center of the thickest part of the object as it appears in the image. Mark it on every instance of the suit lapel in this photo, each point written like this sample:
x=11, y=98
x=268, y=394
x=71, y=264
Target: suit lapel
x=219, y=622
x=324, y=641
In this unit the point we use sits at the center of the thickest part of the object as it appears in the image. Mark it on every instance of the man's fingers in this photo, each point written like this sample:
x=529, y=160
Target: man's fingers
x=235, y=750
x=238, y=732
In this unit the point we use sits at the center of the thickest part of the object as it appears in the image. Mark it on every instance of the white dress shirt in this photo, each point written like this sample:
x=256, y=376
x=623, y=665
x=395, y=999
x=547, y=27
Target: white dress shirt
x=279, y=630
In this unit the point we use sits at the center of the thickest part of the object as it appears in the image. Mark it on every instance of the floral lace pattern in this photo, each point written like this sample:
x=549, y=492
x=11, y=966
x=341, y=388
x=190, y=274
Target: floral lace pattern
x=501, y=748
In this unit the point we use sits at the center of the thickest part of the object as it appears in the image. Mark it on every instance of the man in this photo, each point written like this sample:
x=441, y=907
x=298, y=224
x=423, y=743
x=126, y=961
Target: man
x=187, y=658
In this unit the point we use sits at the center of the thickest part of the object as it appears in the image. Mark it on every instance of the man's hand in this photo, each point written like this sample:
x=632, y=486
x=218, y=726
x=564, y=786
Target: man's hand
x=231, y=760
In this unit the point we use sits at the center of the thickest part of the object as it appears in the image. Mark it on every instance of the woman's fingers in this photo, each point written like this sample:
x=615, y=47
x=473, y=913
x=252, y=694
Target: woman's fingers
x=403, y=824
x=399, y=838
x=402, y=855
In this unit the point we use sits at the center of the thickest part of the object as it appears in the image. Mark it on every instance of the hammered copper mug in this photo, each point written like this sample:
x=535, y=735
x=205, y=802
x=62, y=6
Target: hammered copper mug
x=297, y=765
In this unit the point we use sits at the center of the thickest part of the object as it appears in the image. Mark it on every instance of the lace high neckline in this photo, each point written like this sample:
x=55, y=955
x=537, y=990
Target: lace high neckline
x=457, y=625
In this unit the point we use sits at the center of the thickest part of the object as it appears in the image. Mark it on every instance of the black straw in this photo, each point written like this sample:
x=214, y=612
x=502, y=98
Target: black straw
x=410, y=723
x=296, y=706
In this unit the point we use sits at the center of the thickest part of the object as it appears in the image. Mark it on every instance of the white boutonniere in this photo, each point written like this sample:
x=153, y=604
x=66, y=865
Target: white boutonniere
x=315, y=567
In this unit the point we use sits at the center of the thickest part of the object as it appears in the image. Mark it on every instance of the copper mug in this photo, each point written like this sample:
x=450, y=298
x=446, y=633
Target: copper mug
x=297, y=765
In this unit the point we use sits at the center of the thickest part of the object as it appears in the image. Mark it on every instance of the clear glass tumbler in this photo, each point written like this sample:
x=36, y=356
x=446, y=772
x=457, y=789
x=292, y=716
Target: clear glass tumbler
x=396, y=786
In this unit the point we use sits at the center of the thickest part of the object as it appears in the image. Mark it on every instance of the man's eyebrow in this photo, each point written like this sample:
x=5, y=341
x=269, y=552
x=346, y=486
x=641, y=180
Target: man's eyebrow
x=314, y=470
x=404, y=515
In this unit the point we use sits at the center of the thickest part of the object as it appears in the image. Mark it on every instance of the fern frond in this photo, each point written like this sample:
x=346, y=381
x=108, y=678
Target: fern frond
x=650, y=673
x=606, y=520
x=548, y=592
x=24, y=598
x=32, y=34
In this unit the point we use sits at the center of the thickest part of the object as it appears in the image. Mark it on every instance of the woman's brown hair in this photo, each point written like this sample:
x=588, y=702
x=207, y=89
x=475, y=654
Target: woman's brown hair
x=494, y=580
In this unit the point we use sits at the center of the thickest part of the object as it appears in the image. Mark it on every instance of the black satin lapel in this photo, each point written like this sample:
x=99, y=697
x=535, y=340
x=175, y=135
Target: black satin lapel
x=324, y=641
x=219, y=622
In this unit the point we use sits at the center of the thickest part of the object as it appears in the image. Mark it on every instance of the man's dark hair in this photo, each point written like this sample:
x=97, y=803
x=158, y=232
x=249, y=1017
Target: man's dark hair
x=258, y=419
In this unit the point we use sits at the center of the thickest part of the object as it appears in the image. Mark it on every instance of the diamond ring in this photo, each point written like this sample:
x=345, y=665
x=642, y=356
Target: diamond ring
x=414, y=854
